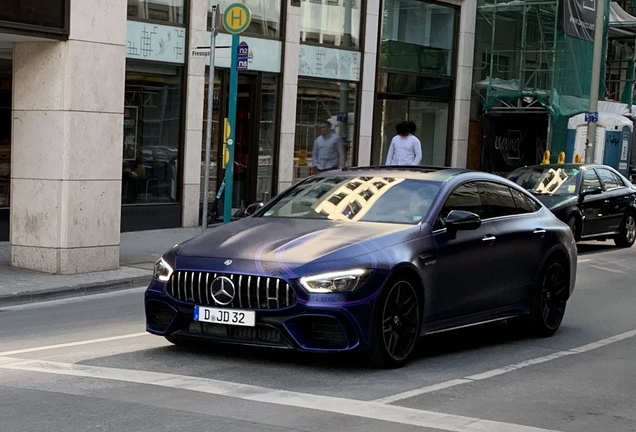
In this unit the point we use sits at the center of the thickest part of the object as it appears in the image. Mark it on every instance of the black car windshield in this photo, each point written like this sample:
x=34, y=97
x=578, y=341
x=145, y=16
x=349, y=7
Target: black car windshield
x=548, y=180
x=349, y=198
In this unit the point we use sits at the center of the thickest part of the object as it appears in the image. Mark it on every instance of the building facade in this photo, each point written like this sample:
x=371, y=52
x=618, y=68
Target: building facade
x=103, y=108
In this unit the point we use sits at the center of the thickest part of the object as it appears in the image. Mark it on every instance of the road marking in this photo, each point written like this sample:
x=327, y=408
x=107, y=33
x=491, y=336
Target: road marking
x=72, y=344
x=505, y=369
x=607, y=269
x=350, y=407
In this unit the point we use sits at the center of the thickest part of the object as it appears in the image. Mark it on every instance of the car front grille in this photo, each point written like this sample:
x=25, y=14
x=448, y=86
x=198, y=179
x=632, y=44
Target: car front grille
x=251, y=292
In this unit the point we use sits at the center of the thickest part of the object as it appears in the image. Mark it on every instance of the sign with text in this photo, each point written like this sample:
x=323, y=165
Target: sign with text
x=242, y=58
x=578, y=18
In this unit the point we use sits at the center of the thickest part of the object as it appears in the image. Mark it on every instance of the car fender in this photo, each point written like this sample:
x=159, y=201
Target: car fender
x=570, y=256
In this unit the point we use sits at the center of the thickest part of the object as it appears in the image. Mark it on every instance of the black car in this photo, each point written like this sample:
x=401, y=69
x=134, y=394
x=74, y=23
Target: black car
x=596, y=201
x=367, y=260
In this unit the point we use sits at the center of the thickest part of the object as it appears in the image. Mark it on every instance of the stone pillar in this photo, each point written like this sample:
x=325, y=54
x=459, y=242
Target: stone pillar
x=195, y=85
x=367, y=88
x=66, y=161
x=463, y=82
x=290, y=92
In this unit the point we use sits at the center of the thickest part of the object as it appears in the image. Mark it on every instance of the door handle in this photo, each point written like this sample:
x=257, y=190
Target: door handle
x=490, y=239
x=540, y=232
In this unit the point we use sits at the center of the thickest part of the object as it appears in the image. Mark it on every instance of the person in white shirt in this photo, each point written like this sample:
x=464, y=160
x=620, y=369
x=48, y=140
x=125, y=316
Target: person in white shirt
x=405, y=148
x=328, y=152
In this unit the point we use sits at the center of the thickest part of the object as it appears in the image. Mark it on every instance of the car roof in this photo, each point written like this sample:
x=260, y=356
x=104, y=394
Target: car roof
x=567, y=165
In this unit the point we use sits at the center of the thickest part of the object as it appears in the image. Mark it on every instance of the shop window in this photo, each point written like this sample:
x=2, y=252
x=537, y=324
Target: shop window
x=330, y=22
x=170, y=11
x=152, y=121
x=266, y=20
x=319, y=101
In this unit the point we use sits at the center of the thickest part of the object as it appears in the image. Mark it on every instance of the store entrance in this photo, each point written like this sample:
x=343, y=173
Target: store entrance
x=246, y=140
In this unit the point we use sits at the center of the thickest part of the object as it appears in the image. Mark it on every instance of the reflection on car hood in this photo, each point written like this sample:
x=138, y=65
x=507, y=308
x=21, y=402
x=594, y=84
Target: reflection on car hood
x=294, y=241
x=555, y=202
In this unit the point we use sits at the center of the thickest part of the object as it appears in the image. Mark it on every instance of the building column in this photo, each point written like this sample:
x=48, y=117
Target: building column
x=67, y=137
x=463, y=82
x=194, y=101
x=367, y=90
x=290, y=93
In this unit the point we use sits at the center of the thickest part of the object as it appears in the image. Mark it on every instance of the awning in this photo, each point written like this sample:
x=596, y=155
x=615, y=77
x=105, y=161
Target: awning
x=621, y=24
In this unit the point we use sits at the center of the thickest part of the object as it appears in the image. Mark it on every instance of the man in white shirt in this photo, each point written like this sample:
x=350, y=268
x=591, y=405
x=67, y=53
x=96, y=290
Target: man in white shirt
x=328, y=152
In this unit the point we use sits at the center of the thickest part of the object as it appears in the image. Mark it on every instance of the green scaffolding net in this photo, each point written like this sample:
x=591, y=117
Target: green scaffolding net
x=524, y=57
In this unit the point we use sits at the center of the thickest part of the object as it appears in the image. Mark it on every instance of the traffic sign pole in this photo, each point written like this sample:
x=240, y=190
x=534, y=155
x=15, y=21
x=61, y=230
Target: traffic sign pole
x=229, y=169
x=236, y=19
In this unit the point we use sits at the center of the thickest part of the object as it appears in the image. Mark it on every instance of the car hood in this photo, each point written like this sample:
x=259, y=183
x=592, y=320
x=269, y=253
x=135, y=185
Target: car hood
x=556, y=202
x=294, y=241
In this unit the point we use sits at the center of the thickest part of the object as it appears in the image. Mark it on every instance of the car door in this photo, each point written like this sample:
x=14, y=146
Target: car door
x=520, y=245
x=464, y=270
x=593, y=205
x=616, y=198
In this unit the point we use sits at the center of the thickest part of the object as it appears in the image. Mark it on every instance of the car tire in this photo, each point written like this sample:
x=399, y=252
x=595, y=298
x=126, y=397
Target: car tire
x=396, y=325
x=549, y=301
x=627, y=231
x=575, y=226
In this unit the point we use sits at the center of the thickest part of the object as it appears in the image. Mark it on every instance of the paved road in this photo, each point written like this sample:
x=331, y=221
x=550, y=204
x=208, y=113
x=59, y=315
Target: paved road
x=87, y=365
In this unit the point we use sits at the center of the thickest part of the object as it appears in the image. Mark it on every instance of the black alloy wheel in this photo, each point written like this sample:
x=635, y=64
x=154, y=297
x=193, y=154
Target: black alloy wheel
x=550, y=300
x=627, y=231
x=396, y=325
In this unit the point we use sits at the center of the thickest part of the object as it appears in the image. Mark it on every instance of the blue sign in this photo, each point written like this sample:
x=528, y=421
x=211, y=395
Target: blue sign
x=242, y=59
x=342, y=117
x=591, y=117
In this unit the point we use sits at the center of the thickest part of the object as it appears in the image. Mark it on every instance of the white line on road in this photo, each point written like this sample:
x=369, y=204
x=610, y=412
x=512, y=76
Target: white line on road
x=350, y=407
x=505, y=369
x=607, y=269
x=72, y=344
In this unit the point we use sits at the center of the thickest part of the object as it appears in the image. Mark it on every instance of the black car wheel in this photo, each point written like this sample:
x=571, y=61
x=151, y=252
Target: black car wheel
x=551, y=295
x=396, y=325
x=573, y=223
x=627, y=231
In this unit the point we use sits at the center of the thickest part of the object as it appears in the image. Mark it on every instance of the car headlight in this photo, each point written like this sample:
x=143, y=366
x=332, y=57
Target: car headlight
x=162, y=270
x=340, y=281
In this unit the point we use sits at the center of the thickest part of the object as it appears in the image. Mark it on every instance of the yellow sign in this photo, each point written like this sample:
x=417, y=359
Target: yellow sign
x=236, y=18
x=226, y=135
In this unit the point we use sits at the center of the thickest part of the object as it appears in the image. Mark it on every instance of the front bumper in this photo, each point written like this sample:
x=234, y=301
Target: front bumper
x=323, y=323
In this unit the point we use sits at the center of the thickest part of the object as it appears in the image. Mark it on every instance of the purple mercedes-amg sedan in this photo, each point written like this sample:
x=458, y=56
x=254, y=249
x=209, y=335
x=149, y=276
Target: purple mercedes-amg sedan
x=368, y=260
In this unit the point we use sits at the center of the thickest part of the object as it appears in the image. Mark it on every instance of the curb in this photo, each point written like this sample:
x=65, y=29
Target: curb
x=73, y=291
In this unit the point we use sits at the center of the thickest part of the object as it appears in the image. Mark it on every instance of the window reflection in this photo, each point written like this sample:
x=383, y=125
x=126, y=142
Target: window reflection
x=170, y=11
x=330, y=22
x=374, y=199
x=152, y=117
x=417, y=37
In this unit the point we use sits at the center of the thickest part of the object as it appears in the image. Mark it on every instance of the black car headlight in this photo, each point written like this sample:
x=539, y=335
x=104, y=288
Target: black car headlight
x=339, y=281
x=162, y=270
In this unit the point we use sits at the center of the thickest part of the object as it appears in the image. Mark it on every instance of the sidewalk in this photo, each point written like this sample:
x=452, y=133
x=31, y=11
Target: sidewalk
x=137, y=254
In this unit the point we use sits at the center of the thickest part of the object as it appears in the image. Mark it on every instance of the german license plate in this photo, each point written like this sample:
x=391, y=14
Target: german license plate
x=237, y=317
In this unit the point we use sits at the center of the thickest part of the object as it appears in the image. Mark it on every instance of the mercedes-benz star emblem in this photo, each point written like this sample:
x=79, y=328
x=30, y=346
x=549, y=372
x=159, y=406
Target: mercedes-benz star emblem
x=227, y=262
x=223, y=290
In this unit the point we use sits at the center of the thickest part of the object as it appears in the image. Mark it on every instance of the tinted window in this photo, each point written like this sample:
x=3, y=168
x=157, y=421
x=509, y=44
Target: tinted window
x=590, y=181
x=465, y=197
x=496, y=200
x=524, y=203
x=609, y=179
x=547, y=180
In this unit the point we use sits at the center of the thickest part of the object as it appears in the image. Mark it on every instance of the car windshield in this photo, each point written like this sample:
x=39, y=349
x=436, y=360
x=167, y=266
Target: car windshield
x=548, y=180
x=348, y=198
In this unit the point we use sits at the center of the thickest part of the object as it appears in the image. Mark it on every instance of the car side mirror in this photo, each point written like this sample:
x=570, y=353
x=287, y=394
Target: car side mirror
x=461, y=220
x=251, y=209
x=592, y=191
